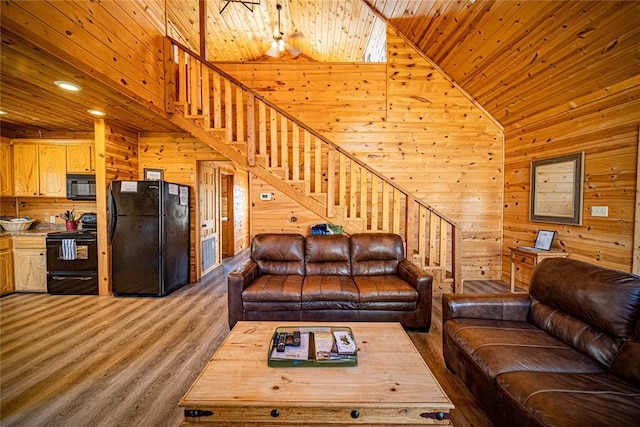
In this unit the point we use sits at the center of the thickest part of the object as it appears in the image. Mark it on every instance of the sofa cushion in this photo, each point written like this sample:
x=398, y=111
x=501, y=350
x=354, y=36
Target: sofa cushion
x=274, y=288
x=329, y=288
x=328, y=255
x=573, y=399
x=384, y=289
x=375, y=254
x=278, y=253
x=500, y=346
x=606, y=299
x=627, y=362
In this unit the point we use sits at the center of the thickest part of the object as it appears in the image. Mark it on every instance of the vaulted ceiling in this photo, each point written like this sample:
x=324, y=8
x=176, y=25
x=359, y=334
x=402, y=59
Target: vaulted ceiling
x=521, y=60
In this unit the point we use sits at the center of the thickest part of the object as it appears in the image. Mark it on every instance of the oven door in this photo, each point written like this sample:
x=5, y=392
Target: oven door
x=84, y=259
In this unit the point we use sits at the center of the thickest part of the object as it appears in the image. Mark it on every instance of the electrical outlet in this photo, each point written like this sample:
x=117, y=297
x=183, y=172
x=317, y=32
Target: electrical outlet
x=599, y=210
x=52, y=219
x=265, y=196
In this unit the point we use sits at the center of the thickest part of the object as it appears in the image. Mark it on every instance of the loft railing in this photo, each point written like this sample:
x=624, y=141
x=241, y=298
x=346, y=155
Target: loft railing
x=334, y=184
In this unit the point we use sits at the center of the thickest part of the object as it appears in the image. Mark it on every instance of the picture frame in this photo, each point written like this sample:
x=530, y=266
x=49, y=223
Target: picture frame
x=153, y=174
x=544, y=239
x=556, y=189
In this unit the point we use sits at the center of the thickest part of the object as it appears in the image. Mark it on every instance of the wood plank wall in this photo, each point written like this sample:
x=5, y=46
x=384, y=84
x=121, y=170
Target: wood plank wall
x=606, y=129
x=409, y=122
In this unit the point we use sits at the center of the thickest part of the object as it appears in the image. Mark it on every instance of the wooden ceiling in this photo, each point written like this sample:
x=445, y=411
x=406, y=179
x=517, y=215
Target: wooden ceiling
x=522, y=60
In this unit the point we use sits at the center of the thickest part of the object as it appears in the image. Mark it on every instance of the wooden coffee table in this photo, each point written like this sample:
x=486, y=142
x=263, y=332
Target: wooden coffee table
x=391, y=384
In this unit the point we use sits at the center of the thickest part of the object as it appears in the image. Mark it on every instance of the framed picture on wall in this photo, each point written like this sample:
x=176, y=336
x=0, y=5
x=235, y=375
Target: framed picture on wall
x=153, y=174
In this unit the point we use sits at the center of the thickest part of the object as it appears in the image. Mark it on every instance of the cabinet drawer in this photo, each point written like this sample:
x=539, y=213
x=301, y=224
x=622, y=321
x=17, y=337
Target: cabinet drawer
x=29, y=242
x=527, y=259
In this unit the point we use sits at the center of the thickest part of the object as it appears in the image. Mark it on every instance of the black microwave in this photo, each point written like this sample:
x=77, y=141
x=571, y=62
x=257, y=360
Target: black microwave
x=81, y=187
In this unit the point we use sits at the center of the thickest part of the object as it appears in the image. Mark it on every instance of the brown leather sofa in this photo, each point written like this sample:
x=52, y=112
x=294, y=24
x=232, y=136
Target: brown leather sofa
x=566, y=354
x=364, y=277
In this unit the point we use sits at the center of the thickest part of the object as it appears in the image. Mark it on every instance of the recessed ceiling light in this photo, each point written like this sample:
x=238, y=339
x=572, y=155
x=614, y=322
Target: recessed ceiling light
x=3, y=112
x=96, y=113
x=68, y=86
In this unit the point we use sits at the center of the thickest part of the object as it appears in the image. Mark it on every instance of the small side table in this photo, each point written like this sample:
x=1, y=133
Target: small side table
x=524, y=260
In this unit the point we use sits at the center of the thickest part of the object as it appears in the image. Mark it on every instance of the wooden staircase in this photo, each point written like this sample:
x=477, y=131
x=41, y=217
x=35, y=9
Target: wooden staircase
x=304, y=165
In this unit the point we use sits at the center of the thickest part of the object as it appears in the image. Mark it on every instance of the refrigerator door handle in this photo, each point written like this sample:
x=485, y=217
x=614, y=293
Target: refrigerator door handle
x=112, y=216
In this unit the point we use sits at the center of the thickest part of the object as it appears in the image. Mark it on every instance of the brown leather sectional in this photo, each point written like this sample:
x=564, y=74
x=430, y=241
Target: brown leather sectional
x=566, y=354
x=364, y=277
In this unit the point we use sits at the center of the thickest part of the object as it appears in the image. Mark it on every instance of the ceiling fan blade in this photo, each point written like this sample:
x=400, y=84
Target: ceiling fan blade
x=292, y=50
x=273, y=51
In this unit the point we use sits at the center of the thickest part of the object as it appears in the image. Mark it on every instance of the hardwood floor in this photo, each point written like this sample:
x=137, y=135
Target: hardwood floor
x=115, y=361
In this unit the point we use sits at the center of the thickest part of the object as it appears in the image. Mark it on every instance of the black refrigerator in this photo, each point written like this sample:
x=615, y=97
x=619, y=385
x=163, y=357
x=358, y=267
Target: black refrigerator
x=149, y=237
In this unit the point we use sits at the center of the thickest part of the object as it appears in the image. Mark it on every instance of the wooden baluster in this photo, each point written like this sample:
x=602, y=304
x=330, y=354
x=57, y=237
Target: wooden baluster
x=433, y=239
x=385, y=206
x=240, y=124
x=295, y=155
x=262, y=123
x=307, y=162
x=182, y=77
x=317, y=166
x=342, y=184
x=274, y=138
x=217, y=102
x=353, y=184
x=251, y=131
x=374, y=202
x=228, y=110
x=284, y=145
x=364, y=175
x=193, y=87
x=423, y=219
x=206, y=98
x=443, y=243
x=396, y=211
x=331, y=182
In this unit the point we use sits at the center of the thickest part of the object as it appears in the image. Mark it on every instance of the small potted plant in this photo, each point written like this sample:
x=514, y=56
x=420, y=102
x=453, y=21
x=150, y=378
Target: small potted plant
x=70, y=218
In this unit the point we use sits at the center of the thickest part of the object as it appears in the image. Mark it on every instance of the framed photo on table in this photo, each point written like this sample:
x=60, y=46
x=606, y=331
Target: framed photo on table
x=153, y=174
x=544, y=240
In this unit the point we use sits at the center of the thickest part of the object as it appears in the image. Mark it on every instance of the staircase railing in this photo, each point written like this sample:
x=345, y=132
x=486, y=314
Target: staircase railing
x=337, y=186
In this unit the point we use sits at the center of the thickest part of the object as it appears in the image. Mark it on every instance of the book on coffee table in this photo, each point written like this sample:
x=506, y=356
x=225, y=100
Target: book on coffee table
x=314, y=346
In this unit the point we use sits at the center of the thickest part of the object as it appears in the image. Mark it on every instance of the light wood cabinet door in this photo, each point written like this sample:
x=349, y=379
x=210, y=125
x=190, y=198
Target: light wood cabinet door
x=26, y=178
x=53, y=170
x=6, y=170
x=6, y=266
x=79, y=159
x=30, y=267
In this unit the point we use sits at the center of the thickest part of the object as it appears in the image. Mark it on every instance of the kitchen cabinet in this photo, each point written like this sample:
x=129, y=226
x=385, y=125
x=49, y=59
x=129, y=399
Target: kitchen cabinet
x=6, y=169
x=40, y=170
x=6, y=266
x=80, y=159
x=30, y=263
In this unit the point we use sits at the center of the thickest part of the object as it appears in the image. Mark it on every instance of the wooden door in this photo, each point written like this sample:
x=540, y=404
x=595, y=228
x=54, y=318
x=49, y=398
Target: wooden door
x=26, y=178
x=208, y=214
x=227, y=226
x=53, y=170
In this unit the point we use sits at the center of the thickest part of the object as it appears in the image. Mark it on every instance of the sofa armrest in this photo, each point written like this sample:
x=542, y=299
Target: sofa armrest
x=236, y=282
x=414, y=275
x=486, y=306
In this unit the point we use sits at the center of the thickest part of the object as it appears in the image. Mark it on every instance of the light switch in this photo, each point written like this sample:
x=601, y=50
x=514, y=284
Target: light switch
x=600, y=211
x=265, y=196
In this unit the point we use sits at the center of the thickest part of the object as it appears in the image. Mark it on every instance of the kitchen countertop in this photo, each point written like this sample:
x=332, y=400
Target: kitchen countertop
x=31, y=232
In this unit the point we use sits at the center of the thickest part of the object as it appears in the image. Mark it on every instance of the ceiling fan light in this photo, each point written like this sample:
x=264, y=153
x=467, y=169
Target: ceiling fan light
x=280, y=45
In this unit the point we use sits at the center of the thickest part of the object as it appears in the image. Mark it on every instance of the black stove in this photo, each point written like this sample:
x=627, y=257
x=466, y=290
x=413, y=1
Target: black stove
x=72, y=259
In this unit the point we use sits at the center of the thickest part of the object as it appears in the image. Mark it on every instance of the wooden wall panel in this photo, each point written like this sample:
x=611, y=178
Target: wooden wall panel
x=409, y=122
x=281, y=214
x=607, y=131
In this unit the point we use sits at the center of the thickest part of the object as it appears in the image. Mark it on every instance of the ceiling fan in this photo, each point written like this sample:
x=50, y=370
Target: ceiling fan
x=278, y=45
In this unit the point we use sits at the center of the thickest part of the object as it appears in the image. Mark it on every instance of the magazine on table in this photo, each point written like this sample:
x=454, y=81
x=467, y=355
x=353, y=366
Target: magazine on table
x=312, y=346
